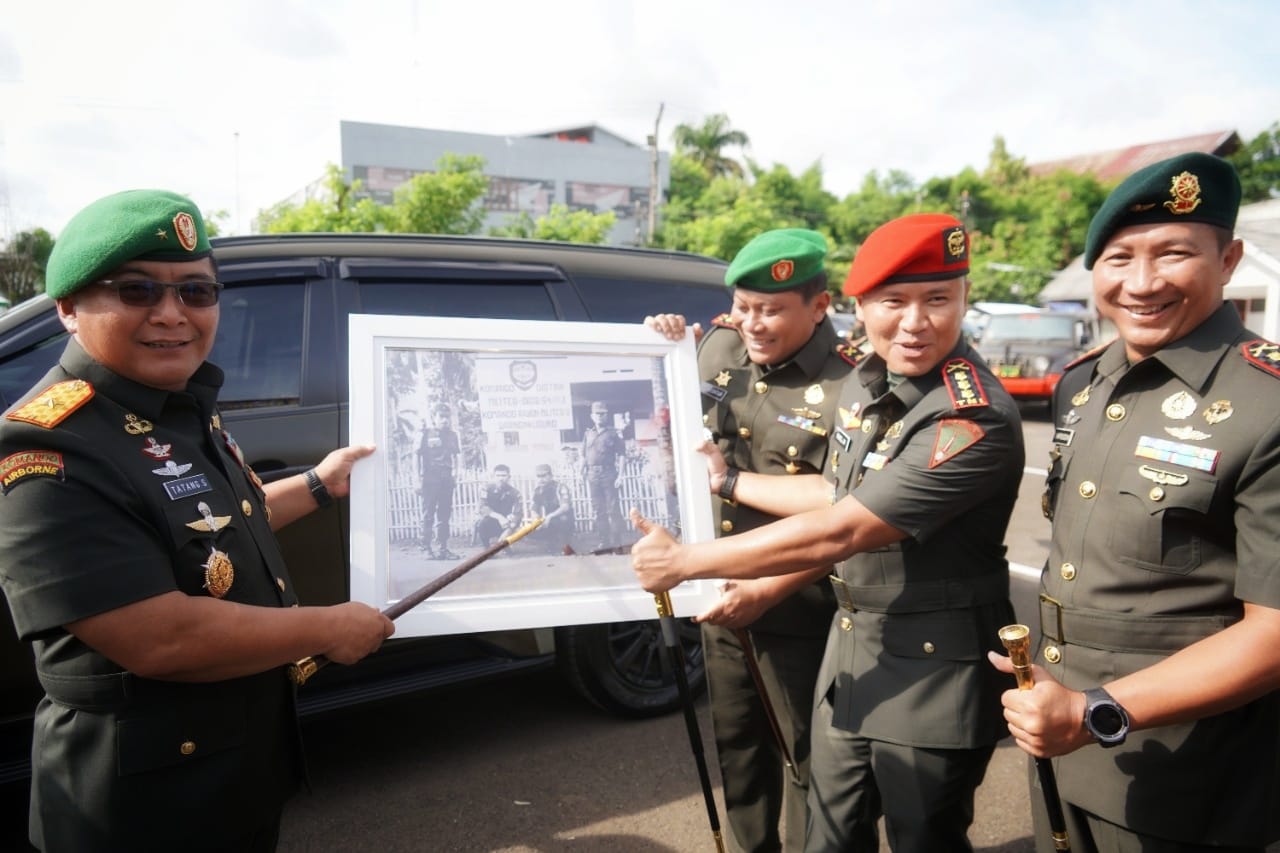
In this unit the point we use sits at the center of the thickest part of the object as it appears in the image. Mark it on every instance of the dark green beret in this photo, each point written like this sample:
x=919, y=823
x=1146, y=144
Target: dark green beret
x=1191, y=187
x=778, y=260
x=151, y=225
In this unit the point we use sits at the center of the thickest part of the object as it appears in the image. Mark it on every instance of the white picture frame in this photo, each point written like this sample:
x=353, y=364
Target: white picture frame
x=520, y=394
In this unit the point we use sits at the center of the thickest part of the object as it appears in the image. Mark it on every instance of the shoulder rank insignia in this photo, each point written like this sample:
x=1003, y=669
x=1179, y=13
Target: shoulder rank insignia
x=1263, y=355
x=963, y=385
x=724, y=320
x=54, y=404
x=954, y=435
x=850, y=352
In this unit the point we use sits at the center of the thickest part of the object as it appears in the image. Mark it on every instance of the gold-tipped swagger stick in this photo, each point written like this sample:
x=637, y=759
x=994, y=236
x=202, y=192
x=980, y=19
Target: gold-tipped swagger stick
x=302, y=670
x=1017, y=641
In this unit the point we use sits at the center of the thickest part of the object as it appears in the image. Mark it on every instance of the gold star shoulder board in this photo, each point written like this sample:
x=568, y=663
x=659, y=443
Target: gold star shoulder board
x=54, y=404
x=1086, y=356
x=962, y=383
x=1263, y=355
x=852, y=351
x=724, y=321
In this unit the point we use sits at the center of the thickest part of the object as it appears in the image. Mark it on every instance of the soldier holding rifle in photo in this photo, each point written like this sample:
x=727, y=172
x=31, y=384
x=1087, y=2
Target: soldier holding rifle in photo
x=1159, y=650
x=771, y=372
x=922, y=475
x=138, y=558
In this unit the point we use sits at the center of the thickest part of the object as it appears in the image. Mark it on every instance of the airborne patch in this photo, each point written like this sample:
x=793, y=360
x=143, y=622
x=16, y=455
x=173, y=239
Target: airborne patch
x=54, y=404
x=1263, y=355
x=25, y=464
x=963, y=385
x=954, y=435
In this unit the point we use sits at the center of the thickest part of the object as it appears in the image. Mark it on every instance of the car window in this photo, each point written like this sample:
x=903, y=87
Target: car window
x=1035, y=327
x=259, y=344
x=19, y=373
x=516, y=300
x=616, y=300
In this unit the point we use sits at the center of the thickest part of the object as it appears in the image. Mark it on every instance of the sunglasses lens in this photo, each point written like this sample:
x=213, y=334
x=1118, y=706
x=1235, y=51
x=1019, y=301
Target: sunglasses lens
x=140, y=294
x=147, y=294
x=198, y=294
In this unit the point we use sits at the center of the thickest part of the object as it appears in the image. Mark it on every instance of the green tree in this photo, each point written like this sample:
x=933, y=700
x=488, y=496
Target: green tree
x=561, y=224
x=22, y=264
x=336, y=208
x=1258, y=163
x=444, y=201
x=705, y=144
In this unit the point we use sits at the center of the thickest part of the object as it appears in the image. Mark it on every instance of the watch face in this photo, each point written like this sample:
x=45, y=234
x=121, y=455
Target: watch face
x=1106, y=720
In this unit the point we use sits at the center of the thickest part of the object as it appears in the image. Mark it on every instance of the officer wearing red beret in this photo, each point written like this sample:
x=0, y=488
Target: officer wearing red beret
x=922, y=474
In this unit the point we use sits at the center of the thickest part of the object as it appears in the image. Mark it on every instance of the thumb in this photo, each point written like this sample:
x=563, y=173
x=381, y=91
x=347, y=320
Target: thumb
x=1000, y=662
x=640, y=523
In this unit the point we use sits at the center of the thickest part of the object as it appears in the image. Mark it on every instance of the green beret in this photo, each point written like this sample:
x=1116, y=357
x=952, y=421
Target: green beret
x=151, y=225
x=1191, y=187
x=778, y=260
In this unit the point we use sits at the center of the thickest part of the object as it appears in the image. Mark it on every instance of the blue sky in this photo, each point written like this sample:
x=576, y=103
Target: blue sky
x=237, y=103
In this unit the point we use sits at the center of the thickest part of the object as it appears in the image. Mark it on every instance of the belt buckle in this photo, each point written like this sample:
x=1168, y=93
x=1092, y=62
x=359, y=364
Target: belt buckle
x=1057, y=636
x=844, y=597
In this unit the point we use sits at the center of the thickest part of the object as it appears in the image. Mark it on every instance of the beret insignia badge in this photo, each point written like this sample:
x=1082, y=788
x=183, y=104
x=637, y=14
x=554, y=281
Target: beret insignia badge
x=1186, y=194
x=185, y=227
x=953, y=245
x=782, y=270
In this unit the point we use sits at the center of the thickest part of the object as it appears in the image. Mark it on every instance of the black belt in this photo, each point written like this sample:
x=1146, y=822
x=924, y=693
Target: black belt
x=922, y=596
x=1126, y=632
x=91, y=692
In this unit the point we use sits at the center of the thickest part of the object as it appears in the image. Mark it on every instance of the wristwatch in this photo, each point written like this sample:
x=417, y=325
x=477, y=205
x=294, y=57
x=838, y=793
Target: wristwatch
x=1105, y=719
x=729, y=483
x=317, y=489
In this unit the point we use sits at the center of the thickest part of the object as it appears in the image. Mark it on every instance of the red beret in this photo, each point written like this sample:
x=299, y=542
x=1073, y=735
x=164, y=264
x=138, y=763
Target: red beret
x=919, y=247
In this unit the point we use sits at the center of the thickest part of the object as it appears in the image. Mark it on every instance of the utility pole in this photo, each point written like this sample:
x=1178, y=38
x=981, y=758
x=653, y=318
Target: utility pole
x=239, y=230
x=654, y=190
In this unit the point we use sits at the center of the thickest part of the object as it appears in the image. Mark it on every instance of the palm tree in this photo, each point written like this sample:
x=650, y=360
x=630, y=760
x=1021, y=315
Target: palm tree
x=704, y=144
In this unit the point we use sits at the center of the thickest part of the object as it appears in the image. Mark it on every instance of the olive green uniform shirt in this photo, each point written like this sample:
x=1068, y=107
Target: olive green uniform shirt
x=121, y=505
x=1164, y=489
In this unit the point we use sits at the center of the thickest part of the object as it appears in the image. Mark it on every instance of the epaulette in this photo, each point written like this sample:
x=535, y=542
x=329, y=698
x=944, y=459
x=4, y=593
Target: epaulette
x=1085, y=356
x=1263, y=355
x=54, y=404
x=962, y=383
x=853, y=351
x=724, y=320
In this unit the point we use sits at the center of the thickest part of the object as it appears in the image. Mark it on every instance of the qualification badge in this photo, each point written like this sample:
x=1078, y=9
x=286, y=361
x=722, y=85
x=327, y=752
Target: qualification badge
x=135, y=425
x=722, y=379
x=1179, y=406
x=813, y=395
x=219, y=573
x=1218, y=411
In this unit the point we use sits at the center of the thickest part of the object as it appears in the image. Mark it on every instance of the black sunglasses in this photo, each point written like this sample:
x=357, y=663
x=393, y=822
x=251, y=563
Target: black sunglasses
x=143, y=293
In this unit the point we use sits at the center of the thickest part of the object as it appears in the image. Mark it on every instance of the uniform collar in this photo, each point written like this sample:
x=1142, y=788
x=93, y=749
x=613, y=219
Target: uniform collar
x=872, y=373
x=810, y=358
x=141, y=399
x=1194, y=357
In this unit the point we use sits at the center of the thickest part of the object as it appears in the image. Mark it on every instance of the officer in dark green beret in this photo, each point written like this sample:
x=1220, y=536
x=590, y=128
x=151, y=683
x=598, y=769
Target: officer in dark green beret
x=771, y=372
x=921, y=475
x=1159, y=656
x=138, y=558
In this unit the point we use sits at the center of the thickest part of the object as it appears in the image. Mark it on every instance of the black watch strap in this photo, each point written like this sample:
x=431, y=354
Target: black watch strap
x=318, y=491
x=729, y=483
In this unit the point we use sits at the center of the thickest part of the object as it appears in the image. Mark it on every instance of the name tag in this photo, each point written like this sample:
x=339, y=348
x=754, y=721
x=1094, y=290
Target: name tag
x=1063, y=436
x=187, y=487
x=843, y=439
x=715, y=392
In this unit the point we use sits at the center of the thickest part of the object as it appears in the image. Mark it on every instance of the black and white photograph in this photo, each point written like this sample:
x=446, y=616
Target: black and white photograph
x=499, y=442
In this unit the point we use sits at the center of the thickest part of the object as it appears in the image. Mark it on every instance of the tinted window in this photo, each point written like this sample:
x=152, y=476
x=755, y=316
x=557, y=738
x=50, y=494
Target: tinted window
x=259, y=344
x=628, y=300
x=506, y=300
x=19, y=373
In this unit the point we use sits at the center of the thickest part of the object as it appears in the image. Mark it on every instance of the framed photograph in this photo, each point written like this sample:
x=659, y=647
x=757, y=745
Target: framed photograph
x=484, y=425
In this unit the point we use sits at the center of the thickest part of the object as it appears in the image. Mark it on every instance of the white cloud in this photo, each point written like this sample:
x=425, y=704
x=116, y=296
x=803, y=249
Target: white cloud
x=238, y=103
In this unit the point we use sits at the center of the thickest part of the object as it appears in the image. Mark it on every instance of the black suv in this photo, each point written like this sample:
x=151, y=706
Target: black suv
x=282, y=341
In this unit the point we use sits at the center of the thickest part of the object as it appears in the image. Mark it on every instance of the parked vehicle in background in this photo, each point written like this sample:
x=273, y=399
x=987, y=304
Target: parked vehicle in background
x=1028, y=347
x=282, y=343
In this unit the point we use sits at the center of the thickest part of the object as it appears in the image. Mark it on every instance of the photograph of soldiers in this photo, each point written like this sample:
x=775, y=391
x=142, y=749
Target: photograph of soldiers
x=553, y=503
x=437, y=464
x=500, y=508
x=603, y=452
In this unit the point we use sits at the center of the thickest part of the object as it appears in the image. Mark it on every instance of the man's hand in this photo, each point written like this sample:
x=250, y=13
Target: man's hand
x=716, y=466
x=335, y=469
x=358, y=631
x=656, y=557
x=740, y=604
x=1047, y=720
x=672, y=326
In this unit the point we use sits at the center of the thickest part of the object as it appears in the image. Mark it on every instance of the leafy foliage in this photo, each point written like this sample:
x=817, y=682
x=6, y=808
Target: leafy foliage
x=578, y=226
x=22, y=264
x=705, y=144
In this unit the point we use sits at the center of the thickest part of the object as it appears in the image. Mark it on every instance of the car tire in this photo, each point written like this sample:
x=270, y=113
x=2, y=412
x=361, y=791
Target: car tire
x=625, y=668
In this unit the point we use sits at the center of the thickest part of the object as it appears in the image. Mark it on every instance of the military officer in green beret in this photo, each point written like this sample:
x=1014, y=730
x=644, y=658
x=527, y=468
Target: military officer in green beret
x=921, y=476
x=1159, y=654
x=138, y=558
x=771, y=372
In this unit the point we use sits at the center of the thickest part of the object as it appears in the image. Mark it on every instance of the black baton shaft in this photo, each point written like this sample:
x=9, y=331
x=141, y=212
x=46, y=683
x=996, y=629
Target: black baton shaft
x=743, y=637
x=1017, y=641
x=667, y=619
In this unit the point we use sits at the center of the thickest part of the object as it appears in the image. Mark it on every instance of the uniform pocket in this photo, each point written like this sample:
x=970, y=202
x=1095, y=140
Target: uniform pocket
x=941, y=635
x=197, y=526
x=180, y=732
x=1160, y=513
